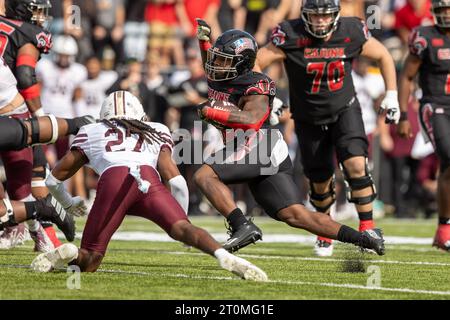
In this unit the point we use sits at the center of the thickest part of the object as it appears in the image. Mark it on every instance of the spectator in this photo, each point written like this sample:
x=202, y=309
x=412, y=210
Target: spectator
x=136, y=30
x=157, y=91
x=109, y=28
x=204, y=9
x=164, y=17
x=82, y=32
x=415, y=13
x=93, y=90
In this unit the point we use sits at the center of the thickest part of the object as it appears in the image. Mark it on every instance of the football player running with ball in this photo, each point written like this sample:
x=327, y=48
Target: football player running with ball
x=317, y=50
x=130, y=155
x=249, y=143
x=430, y=58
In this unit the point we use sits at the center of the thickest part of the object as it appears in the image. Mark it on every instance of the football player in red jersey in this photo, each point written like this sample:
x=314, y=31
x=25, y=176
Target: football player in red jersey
x=23, y=40
x=317, y=50
x=132, y=157
x=429, y=57
x=254, y=153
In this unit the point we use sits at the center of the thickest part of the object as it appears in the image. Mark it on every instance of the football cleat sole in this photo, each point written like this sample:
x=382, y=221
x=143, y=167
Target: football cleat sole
x=57, y=258
x=243, y=269
x=251, y=238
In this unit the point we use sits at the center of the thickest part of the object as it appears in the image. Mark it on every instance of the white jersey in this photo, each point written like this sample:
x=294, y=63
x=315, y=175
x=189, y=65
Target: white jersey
x=94, y=93
x=8, y=89
x=106, y=147
x=58, y=86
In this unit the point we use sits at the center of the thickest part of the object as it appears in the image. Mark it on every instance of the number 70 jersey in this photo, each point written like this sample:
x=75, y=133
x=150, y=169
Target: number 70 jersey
x=319, y=72
x=106, y=147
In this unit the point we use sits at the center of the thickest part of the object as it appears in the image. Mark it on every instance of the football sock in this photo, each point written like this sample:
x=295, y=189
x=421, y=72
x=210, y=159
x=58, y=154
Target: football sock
x=365, y=220
x=348, y=235
x=236, y=218
x=444, y=221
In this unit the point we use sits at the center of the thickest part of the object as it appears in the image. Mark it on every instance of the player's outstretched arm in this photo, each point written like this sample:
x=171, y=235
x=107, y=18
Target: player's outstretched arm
x=409, y=72
x=66, y=168
x=47, y=129
x=169, y=173
x=204, y=38
x=373, y=49
x=268, y=55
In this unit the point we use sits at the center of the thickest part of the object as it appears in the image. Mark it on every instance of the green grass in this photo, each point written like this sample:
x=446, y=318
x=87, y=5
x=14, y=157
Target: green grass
x=158, y=270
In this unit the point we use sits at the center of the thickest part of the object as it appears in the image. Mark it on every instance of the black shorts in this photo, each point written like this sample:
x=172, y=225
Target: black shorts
x=13, y=134
x=317, y=143
x=435, y=124
x=269, y=178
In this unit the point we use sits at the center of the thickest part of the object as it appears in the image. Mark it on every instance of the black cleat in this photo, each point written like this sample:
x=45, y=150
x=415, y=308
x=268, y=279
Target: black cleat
x=372, y=239
x=246, y=234
x=49, y=209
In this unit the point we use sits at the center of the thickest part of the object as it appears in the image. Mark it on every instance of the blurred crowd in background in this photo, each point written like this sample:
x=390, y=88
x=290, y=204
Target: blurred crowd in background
x=149, y=48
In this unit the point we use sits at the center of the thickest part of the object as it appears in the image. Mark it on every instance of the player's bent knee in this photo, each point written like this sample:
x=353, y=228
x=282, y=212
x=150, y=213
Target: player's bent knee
x=180, y=229
x=322, y=201
x=359, y=183
x=203, y=175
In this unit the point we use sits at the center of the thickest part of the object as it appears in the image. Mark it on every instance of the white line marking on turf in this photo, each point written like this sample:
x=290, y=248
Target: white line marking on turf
x=288, y=282
x=269, y=238
x=266, y=257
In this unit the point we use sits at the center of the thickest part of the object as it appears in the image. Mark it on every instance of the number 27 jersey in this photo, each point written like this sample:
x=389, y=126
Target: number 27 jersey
x=105, y=147
x=320, y=80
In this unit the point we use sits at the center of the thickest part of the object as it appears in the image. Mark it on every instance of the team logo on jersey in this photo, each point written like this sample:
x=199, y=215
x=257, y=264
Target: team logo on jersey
x=243, y=44
x=444, y=54
x=324, y=53
x=44, y=41
x=217, y=95
x=278, y=36
x=417, y=43
x=263, y=87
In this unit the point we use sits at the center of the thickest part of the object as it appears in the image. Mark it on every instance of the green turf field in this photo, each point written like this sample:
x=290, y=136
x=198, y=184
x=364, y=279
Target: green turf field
x=167, y=270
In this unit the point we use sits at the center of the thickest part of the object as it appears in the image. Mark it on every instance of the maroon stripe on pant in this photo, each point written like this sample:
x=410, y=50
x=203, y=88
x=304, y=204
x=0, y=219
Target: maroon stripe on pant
x=18, y=168
x=118, y=195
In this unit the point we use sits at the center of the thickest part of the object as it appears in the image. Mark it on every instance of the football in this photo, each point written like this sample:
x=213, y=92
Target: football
x=224, y=105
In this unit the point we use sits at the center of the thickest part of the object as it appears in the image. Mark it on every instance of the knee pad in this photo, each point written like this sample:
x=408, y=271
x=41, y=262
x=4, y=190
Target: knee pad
x=355, y=184
x=316, y=197
x=8, y=219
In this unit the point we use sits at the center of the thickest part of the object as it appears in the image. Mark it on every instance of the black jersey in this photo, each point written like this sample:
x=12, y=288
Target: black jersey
x=15, y=34
x=252, y=83
x=432, y=46
x=320, y=80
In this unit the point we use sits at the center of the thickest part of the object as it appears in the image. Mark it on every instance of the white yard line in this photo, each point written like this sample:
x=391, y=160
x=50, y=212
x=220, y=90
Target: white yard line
x=267, y=238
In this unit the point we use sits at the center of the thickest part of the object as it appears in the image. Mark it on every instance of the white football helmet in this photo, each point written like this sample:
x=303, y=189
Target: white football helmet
x=122, y=105
x=65, y=45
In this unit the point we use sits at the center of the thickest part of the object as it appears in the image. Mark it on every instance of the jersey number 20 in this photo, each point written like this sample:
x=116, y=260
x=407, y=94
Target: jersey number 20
x=335, y=73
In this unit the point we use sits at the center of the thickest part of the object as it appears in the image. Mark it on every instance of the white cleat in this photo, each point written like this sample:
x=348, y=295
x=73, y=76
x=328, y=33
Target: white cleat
x=42, y=242
x=57, y=258
x=243, y=268
x=323, y=248
x=13, y=237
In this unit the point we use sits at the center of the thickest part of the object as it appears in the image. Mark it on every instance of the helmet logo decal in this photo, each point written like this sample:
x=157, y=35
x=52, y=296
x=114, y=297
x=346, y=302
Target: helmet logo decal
x=243, y=44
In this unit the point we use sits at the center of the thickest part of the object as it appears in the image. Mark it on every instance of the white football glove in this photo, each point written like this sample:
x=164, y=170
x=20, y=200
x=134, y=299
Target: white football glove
x=391, y=106
x=78, y=207
x=277, y=110
x=203, y=30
